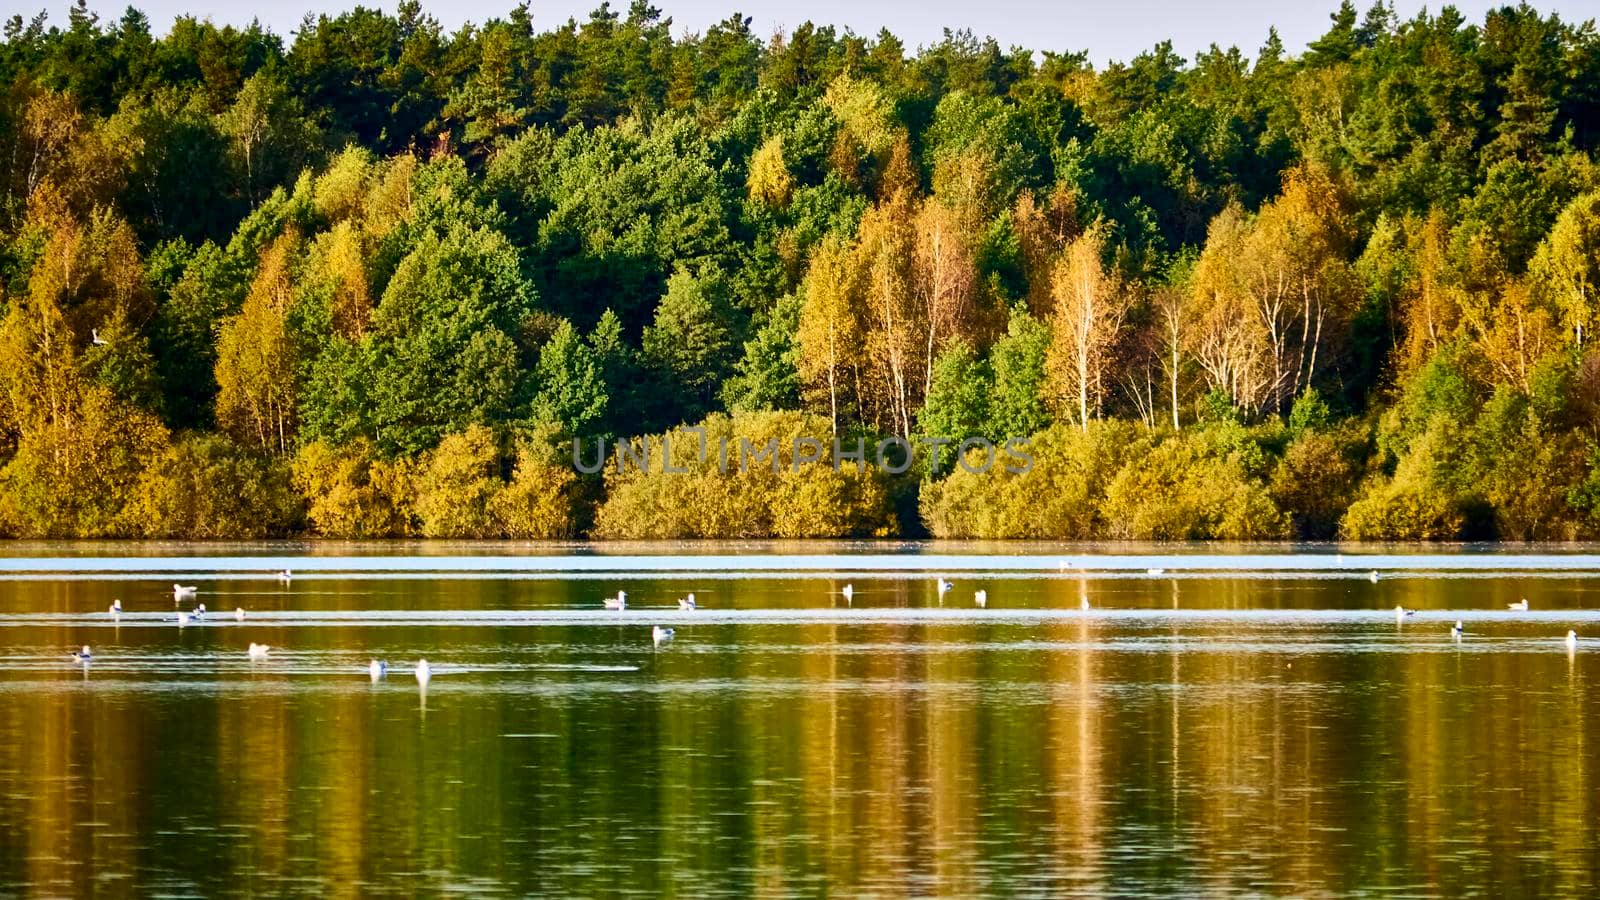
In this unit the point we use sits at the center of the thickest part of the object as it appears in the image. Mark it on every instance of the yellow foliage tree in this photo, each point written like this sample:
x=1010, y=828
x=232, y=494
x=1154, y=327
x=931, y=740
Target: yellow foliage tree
x=351, y=492
x=543, y=499
x=460, y=479
x=829, y=334
x=1090, y=303
x=769, y=181
x=256, y=396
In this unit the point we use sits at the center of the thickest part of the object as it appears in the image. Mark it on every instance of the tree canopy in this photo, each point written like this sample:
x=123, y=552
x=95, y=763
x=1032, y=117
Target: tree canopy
x=374, y=277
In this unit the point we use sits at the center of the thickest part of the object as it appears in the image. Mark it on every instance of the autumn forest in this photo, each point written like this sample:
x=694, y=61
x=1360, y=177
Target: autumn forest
x=373, y=278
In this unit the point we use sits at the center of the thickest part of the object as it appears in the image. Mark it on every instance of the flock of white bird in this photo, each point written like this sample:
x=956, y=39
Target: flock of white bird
x=1459, y=631
x=379, y=669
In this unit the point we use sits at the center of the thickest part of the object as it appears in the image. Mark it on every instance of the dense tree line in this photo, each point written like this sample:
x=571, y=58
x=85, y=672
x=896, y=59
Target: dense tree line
x=373, y=280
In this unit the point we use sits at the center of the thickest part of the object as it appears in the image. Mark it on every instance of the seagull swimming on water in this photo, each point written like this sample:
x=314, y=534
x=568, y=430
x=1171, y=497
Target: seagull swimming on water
x=116, y=608
x=1519, y=606
x=377, y=669
x=83, y=655
x=619, y=602
x=1083, y=603
x=238, y=614
x=1572, y=640
x=660, y=635
x=849, y=592
x=183, y=618
x=686, y=604
x=944, y=587
x=424, y=672
x=258, y=651
x=1373, y=576
x=981, y=598
x=1401, y=613
x=285, y=576
x=1457, y=631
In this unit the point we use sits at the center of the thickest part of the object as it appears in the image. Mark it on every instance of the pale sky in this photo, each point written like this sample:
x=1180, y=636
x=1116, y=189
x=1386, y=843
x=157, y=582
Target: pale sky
x=1108, y=29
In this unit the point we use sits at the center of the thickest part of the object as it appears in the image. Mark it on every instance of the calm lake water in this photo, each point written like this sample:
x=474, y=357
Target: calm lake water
x=1248, y=723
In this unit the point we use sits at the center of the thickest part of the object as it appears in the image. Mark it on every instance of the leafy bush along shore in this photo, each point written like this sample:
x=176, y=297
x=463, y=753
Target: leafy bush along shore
x=373, y=281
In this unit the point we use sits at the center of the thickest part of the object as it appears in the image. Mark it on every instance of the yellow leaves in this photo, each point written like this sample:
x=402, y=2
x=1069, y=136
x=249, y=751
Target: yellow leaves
x=869, y=132
x=1043, y=231
x=884, y=307
x=1515, y=334
x=829, y=334
x=205, y=487
x=769, y=181
x=754, y=495
x=1058, y=498
x=257, y=394
x=342, y=261
x=459, y=479
x=1090, y=302
x=453, y=491
x=389, y=201
x=71, y=476
x=865, y=112
x=541, y=501
x=1275, y=292
x=1567, y=265
x=946, y=280
x=87, y=277
x=1186, y=489
x=351, y=492
x=341, y=190
x=1431, y=299
x=91, y=272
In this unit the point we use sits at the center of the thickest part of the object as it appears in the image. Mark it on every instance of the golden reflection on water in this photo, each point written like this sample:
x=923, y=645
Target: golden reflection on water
x=1086, y=753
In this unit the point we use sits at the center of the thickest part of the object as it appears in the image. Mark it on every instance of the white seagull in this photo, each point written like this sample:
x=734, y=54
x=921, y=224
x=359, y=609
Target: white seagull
x=1155, y=571
x=1572, y=640
x=981, y=598
x=619, y=602
x=285, y=576
x=116, y=608
x=1457, y=631
x=424, y=672
x=1519, y=606
x=1083, y=603
x=377, y=669
x=661, y=635
x=83, y=655
x=944, y=587
x=1373, y=576
x=258, y=651
x=1400, y=613
x=238, y=614
x=95, y=338
x=686, y=603
x=183, y=618
x=849, y=593
x=180, y=591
